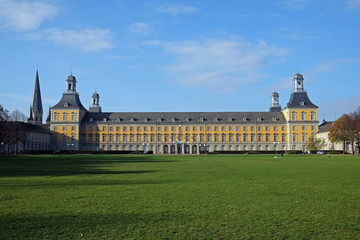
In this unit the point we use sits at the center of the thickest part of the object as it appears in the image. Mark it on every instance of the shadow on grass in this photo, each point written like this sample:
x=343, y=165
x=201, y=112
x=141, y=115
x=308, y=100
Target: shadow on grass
x=66, y=165
x=89, y=225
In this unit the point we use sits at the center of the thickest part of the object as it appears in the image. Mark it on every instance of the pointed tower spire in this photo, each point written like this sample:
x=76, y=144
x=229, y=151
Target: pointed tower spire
x=36, y=110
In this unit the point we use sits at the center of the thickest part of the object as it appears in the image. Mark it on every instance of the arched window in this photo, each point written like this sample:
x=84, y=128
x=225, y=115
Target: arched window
x=110, y=138
x=187, y=137
x=166, y=138
x=56, y=117
x=245, y=136
x=90, y=137
x=138, y=138
x=231, y=137
x=117, y=137
x=260, y=137
x=131, y=138
x=125, y=138
x=237, y=137
x=209, y=138
x=303, y=116
x=275, y=137
x=223, y=138
x=104, y=137
x=216, y=137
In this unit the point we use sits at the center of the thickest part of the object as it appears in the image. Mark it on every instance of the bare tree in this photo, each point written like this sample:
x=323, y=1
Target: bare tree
x=17, y=116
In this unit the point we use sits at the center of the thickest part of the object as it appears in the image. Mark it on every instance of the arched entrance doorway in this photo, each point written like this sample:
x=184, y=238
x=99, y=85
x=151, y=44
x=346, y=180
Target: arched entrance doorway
x=187, y=149
x=179, y=149
x=172, y=149
x=194, y=149
x=166, y=149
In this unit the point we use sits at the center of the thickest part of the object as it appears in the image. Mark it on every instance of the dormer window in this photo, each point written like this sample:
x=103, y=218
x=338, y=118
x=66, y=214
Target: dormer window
x=230, y=119
x=66, y=104
x=244, y=119
x=201, y=119
x=274, y=119
x=104, y=119
x=159, y=119
x=174, y=119
x=146, y=120
x=216, y=119
x=259, y=119
x=302, y=103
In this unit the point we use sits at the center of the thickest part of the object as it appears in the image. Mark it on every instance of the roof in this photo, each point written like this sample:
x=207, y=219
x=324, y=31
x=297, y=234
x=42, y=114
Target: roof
x=69, y=101
x=186, y=117
x=325, y=127
x=29, y=127
x=300, y=100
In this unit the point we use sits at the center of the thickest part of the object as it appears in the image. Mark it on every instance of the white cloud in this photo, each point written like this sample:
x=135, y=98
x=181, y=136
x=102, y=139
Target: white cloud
x=219, y=65
x=176, y=9
x=25, y=16
x=140, y=28
x=353, y=4
x=88, y=40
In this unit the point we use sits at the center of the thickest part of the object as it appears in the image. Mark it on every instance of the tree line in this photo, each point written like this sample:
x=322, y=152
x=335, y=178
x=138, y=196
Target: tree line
x=11, y=131
x=346, y=130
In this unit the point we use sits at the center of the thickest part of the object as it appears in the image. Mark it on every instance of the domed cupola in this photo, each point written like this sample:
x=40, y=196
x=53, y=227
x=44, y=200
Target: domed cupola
x=95, y=107
x=275, y=106
x=298, y=82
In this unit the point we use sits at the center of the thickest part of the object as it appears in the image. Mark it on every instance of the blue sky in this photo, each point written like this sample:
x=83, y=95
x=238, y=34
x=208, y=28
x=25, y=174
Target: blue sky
x=200, y=55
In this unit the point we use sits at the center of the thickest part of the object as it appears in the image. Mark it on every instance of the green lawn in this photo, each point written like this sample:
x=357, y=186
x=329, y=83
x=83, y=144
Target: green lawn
x=179, y=197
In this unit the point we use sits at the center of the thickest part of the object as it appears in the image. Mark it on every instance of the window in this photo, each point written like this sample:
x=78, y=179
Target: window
x=259, y=128
x=124, y=147
x=166, y=138
x=165, y=129
x=187, y=129
x=138, y=138
x=145, y=129
x=245, y=137
x=64, y=138
x=252, y=128
x=201, y=129
x=194, y=129
x=110, y=147
x=294, y=137
x=208, y=138
x=216, y=138
x=252, y=138
x=118, y=130
x=55, y=128
x=124, y=129
x=304, y=137
x=208, y=129
x=223, y=138
x=275, y=137
x=312, y=116
x=56, y=117
x=64, y=128
x=216, y=129
x=283, y=129
x=152, y=129
x=201, y=137
x=104, y=138
x=90, y=129
x=230, y=148
x=245, y=147
x=230, y=138
x=294, y=128
x=267, y=128
x=303, y=116
x=152, y=138
x=313, y=128
x=55, y=138
x=275, y=128
x=131, y=129
x=303, y=128
x=194, y=138
x=237, y=138
x=245, y=129
x=73, y=117
x=172, y=137
x=137, y=129
x=230, y=129
x=223, y=129
x=293, y=116
x=159, y=129
x=283, y=138
x=117, y=137
x=72, y=128
x=124, y=138
x=131, y=137
x=237, y=128
x=260, y=138
x=64, y=117
x=110, y=129
x=267, y=138
x=159, y=137
x=97, y=138
x=173, y=129
x=180, y=137
x=145, y=137
x=104, y=129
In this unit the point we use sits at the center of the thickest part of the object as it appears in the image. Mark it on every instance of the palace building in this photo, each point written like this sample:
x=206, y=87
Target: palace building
x=280, y=129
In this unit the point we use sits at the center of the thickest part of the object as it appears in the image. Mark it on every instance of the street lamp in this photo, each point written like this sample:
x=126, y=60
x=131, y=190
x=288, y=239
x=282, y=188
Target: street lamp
x=275, y=146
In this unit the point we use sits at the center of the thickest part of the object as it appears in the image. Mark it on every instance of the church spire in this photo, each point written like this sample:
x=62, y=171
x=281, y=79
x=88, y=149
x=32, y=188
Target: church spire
x=36, y=110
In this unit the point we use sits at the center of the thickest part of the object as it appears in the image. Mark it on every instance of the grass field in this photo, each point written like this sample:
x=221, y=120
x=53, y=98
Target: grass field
x=179, y=197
